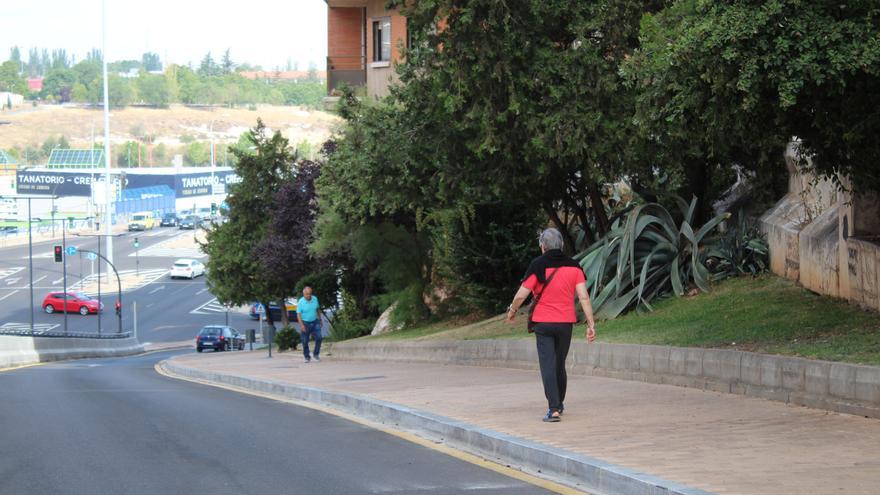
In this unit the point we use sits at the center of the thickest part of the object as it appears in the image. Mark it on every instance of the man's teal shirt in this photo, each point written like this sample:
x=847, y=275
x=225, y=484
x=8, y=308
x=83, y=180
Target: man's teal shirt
x=308, y=310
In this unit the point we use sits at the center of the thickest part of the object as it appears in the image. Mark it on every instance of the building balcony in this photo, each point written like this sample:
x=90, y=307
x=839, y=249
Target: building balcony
x=346, y=70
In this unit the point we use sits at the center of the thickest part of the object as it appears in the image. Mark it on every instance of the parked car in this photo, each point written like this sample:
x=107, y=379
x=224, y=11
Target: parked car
x=187, y=268
x=143, y=220
x=219, y=338
x=76, y=303
x=274, y=310
x=189, y=223
x=169, y=220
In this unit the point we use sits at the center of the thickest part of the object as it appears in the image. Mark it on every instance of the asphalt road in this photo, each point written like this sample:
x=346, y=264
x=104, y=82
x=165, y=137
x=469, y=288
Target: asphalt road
x=115, y=426
x=167, y=310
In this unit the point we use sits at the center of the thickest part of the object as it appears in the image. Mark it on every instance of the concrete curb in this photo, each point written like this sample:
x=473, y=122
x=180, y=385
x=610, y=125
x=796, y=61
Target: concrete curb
x=584, y=473
x=21, y=350
x=838, y=387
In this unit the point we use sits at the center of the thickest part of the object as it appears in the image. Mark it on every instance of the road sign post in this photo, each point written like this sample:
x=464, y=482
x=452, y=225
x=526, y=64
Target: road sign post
x=137, y=258
x=64, y=269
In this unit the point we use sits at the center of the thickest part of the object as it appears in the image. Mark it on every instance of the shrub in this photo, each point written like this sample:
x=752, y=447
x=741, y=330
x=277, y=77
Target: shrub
x=740, y=250
x=646, y=256
x=350, y=329
x=287, y=338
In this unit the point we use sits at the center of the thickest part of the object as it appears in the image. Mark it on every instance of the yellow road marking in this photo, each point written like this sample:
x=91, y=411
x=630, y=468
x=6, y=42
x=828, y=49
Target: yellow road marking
x=22, y=366
x=409, y=437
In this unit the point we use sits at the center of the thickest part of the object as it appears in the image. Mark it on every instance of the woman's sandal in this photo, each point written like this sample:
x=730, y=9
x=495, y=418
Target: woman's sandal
x=552, y=417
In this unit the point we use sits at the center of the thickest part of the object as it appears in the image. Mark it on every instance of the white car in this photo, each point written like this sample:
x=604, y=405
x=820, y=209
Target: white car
x=187, y=269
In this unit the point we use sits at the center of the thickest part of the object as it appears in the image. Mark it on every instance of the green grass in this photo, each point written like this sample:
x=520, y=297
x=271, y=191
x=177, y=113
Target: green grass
x=766, y=314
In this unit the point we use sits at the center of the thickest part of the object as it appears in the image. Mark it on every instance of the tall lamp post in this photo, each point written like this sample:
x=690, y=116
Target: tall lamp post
x=108, y=221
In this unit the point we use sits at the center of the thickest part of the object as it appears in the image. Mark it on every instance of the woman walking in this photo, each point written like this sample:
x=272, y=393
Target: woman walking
x=554, y=279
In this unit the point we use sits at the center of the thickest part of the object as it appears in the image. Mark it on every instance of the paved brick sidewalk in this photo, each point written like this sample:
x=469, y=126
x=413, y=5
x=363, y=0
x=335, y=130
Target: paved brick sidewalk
x=717, y=442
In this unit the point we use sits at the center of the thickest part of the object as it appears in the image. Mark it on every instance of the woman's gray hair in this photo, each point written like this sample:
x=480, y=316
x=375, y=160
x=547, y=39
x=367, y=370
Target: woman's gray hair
x=551, y=239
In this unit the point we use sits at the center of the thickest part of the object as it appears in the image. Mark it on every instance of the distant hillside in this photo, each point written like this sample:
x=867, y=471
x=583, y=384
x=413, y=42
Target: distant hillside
x=173, y=128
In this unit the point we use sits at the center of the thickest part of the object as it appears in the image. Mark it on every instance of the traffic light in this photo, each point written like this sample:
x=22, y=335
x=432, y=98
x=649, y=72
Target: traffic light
x=59, y=254
x=136, y=243
x=213, y=209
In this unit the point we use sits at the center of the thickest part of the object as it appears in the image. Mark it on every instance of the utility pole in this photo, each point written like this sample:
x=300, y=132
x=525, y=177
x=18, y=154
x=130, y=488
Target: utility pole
x=64, y=267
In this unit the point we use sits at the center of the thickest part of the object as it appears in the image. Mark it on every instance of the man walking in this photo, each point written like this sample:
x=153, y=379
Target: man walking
x=309, y=317
x=554, y=280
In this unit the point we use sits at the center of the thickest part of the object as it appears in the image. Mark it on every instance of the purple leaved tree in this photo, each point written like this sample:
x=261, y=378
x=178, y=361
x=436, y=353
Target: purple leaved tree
x=284, y=251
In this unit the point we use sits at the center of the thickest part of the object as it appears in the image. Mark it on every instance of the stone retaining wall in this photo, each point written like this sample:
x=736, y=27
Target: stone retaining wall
x=839, y=387
x=20, y=350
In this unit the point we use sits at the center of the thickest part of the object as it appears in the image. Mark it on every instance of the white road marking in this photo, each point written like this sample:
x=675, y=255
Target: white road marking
x=7, y=295
x=201, y=291
x=157, y=289
x=6, y=272
x=10, y=281
x=209, y=307
x=26, y=327
x=56, y=282
x=149, y=276
x=41, y=278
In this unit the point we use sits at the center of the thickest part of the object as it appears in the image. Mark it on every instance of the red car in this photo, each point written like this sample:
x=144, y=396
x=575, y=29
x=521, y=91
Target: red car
x=79, y=303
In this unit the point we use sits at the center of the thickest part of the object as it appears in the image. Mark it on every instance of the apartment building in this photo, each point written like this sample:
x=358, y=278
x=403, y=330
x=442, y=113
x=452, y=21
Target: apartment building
x=364, y=40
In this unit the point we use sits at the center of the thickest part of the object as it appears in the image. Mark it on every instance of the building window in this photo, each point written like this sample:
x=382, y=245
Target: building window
x=382, y=40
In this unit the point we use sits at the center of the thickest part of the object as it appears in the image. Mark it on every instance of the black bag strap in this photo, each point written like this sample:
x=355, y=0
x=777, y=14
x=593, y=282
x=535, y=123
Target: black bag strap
x=537, y=297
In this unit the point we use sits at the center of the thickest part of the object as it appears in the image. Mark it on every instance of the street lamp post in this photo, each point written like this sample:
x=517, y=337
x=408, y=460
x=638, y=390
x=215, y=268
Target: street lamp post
x=119, y=284
x=108, y=223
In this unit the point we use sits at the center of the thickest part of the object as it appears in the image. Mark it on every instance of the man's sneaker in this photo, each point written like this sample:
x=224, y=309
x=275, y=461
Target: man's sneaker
x=317, y=359
x=307, y=360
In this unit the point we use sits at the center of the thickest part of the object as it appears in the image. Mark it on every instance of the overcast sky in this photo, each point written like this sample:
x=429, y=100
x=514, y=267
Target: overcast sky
x=261, y=32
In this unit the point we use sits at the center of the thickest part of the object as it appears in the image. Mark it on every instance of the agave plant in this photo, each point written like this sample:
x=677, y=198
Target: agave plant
x=740, y=250
x=647, y=254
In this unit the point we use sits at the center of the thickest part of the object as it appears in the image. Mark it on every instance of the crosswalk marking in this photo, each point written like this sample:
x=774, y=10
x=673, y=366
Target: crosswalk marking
x=17, y=327
x=212, y=306
x=6, y=272
x=149, y=276
x=161, y=250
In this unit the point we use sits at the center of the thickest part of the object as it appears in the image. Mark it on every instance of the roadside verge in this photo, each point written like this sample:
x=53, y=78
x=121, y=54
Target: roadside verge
x=572, y=469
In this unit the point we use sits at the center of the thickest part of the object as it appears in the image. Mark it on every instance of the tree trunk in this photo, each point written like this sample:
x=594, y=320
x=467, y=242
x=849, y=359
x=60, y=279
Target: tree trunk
x=268, y=314
x=697, y=176
x=285, y=318
x=602, y=223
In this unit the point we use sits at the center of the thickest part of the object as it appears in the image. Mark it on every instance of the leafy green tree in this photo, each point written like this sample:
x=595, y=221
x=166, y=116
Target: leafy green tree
x=79, y=93
x=235, y=275
x=188, y=83
x=208, y=68
x=121, y=90
x=540, y=106
x=150, y=62
x=733, y=81
x=59, y=83
x=153, y=90
x=197, y=153
x=10, y=79
x=227, y=66
x=15, y=54
x=130, y=154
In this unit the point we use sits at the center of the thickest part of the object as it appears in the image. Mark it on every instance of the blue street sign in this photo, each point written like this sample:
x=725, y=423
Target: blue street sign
x=92, y=256
x=71, y=250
